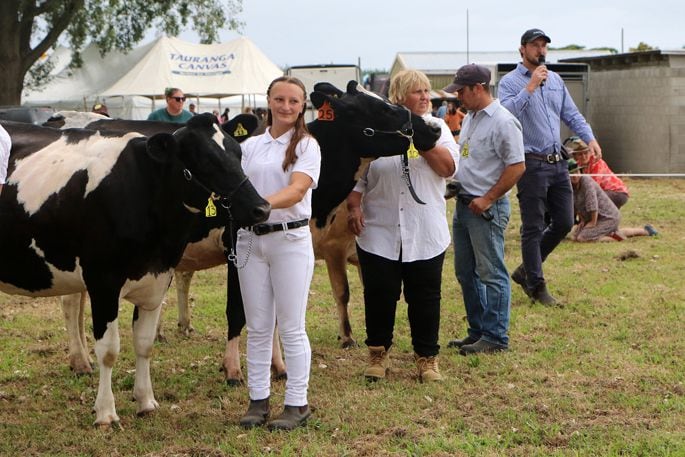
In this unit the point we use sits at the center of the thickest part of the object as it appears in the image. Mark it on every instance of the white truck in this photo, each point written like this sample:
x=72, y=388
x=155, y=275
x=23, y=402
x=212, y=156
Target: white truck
x=338, y=75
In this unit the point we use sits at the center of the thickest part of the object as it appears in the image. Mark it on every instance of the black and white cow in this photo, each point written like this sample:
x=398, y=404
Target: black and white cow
x=351, y=125
x=110, y=214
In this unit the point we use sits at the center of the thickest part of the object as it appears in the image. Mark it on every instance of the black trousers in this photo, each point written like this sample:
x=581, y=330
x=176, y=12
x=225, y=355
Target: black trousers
x=383, y=279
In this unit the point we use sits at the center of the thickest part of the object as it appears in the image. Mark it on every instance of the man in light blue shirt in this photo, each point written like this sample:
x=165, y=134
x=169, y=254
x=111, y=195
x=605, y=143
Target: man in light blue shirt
x=540, y=100
x=491, y=162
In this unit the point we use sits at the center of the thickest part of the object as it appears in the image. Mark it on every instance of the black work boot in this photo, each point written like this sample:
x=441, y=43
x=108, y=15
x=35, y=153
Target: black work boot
x=256, y=413
x=462, y=342
x=519, y=277
x=290, y=418
x=540, y=294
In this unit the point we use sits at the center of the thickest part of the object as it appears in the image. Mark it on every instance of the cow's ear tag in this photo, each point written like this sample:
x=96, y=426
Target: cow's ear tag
x=412, y=152
x=326, y=113
x=210, y=209
x=239, y=130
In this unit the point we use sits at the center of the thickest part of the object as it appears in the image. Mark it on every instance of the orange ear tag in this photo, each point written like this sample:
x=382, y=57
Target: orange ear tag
x=210, y=209
x=326, y=113
x=412, y=152
x=239, y=130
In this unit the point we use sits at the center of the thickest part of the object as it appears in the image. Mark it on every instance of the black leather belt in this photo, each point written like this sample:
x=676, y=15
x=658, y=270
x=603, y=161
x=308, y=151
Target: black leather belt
x=549, y=158
x=263, y=229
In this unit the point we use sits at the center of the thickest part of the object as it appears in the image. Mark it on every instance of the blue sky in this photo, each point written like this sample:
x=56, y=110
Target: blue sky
x=301, y=32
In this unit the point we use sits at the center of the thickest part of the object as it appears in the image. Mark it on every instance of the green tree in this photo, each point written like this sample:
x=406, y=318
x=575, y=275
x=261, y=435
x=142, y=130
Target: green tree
x=641, y=47
x=29, y=28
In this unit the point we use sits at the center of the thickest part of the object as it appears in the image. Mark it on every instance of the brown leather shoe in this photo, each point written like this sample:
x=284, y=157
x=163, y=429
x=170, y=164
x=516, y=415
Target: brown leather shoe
x=378, y=363
x=428, y=368
x=291, y=417
x=256, y=413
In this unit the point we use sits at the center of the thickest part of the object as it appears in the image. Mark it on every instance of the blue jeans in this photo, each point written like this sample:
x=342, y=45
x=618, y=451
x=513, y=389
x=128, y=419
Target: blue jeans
x=543, y=188
x=481, y=272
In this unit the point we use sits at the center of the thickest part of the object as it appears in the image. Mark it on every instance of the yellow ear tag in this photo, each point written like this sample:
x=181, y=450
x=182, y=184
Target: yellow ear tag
x=210, y=210
x=239, y=130
x=325, y=113
x=465, y=150
x=412, y=152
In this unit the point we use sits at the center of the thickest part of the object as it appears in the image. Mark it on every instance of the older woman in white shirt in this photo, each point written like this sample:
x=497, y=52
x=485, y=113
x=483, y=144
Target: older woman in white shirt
x=276, y=259
x=401, y=243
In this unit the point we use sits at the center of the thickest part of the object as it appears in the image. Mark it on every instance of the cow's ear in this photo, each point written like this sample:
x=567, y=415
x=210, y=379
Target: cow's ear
x=241, y=126
x=161, y=147
x=352, y=87
x=318, y=99
x=328, y=88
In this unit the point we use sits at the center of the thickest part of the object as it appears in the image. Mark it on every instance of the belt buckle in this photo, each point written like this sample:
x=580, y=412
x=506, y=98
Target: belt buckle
x=552, y=158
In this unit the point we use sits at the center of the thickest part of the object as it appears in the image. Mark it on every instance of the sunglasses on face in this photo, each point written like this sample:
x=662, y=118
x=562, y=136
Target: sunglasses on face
x=179, y=99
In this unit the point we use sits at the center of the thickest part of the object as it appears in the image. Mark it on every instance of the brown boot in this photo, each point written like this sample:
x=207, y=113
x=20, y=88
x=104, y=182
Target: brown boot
x=256, y=413
x=378, y=363
x=428, y=368
x=290, y=418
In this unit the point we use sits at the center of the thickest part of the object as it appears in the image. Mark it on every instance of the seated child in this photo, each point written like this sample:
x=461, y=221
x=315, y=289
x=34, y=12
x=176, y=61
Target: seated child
x=598, y=216
x=610, y=183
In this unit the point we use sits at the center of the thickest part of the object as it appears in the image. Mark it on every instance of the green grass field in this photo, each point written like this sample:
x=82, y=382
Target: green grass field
x=603, y=376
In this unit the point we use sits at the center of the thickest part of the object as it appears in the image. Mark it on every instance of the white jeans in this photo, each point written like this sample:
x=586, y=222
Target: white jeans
x=275, y=286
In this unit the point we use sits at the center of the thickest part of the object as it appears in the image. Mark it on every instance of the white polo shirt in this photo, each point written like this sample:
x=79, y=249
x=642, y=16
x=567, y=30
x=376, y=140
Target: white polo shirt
x=393, y=221
x=263, y=163
x=5, y=147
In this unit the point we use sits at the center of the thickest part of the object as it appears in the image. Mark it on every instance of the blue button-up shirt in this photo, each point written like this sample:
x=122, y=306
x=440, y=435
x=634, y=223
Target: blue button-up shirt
x=542, y=111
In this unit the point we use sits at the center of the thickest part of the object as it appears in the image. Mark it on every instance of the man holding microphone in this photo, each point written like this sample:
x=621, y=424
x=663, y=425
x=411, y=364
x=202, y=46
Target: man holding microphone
x=540, y=100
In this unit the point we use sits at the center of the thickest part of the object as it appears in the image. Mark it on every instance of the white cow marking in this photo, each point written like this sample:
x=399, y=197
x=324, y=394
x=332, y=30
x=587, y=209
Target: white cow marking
x=47, y=171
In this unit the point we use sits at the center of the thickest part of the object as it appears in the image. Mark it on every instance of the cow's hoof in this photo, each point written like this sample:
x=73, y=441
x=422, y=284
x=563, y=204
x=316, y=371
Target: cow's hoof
x=80, y=370
x=109, y=422
x=349, y=344
x=282, y=376
x=232, y=382
x=148, y=409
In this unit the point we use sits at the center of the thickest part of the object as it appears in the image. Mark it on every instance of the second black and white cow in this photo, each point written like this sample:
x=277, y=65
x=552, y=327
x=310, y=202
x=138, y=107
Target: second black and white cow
x=111, y=215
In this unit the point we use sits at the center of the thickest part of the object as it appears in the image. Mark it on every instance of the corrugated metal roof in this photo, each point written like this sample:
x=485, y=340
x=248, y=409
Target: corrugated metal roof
x=448, y=62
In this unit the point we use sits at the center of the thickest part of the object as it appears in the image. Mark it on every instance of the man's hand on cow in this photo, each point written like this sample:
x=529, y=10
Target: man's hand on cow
x=355, y=220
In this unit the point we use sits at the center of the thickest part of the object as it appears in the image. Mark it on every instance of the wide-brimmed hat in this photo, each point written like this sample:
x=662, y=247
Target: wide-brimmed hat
x=573, y=166
x=575, y=144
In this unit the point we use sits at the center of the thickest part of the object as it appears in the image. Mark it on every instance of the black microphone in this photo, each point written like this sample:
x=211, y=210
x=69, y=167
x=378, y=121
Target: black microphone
x=541, y=61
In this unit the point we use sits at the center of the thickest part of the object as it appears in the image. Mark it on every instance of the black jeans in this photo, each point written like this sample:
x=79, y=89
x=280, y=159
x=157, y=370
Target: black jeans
x=543, y=188
x=383, y=279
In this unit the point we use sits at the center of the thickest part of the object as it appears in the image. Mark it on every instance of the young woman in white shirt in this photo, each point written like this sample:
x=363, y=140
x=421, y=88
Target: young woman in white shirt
x=401, y=243
x=276, y=259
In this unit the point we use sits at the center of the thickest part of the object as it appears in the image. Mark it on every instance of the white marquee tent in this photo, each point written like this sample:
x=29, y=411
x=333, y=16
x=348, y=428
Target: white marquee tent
x=231, y=74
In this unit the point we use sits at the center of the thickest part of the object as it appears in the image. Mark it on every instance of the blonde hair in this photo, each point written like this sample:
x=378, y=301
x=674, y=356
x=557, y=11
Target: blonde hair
x=300, y=126
x=405, y=81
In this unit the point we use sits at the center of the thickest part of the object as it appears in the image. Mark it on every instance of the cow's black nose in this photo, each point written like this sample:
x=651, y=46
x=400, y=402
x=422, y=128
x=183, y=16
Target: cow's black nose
x=261, y=213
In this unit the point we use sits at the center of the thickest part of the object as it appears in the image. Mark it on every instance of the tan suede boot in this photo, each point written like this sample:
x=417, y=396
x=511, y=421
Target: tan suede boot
x=378, y=363
x=428, y=368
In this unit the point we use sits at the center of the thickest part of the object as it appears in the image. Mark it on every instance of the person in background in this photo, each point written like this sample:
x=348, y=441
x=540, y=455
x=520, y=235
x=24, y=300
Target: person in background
x=491, y=163
x=224, y=116
x=191, y=108
x=540, y=100
x=611, y=184
x=283, y=164
x=215, y=112
x=453, y=119
x=173, y=112
x=401, y=243
x=5, y=148
x=442, y=110
x=100, y=108
x=599, y=217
